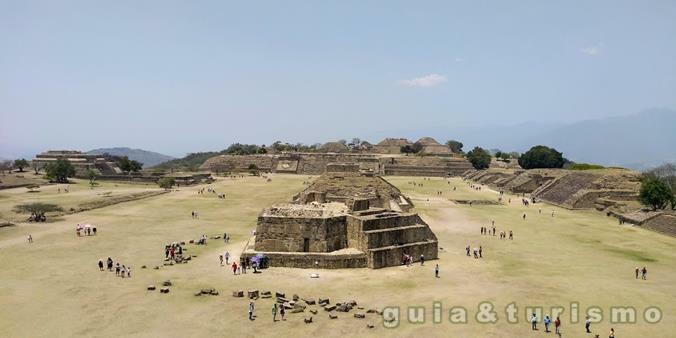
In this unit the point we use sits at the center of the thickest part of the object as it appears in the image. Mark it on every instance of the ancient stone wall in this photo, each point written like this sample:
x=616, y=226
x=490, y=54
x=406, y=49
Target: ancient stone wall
x=289, y=234
x=313, y=260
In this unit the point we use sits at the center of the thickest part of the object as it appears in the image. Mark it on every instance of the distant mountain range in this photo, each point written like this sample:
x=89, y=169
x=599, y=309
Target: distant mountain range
x=148, y=158
x=638, y=141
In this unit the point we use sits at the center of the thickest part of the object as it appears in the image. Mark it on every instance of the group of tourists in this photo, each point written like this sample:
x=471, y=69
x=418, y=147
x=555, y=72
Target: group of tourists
x=478, y=252
x=503, y=234
x=202, y=240
x=173, y=251
x=120, y=270
x=243, y=265
x=643, y=272
x=280, y=309
x=86, y=229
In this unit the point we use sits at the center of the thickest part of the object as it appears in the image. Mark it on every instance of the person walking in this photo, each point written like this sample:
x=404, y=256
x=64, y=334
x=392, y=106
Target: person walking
x=557, y=325
x=636, y=272
x=534, y=322
x=220, y=257
x=251, y=310
x=436, y=271
x=644, y=273
x=234, y=268
x=110, y=264
x=612, y=333
x=274, y=312
x=225, y=237
x=587, y=324
x=30, y=238
x=282, y=311
x=227, y=257
x=100, y=264
x=480, y=252
x=547, y=321
x=422, y=260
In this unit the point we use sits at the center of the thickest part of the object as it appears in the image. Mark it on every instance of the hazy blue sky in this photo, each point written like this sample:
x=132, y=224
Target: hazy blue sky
x=178, y=76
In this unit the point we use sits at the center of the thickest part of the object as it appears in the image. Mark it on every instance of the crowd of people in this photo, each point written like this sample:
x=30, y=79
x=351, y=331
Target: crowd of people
x=121, y=270
x=86, y=229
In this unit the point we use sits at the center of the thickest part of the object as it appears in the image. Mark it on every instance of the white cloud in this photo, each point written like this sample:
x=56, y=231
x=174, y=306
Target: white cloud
x=592, y=50
x=430, y=80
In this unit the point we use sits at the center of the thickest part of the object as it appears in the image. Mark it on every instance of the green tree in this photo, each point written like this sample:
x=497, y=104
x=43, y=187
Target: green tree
x=37, y=210
x=92, y=176
x=407, y=149
x=253, y=169
x=456, y=146
x=21, y=163
x=541, y=157
x=655, y=193
x=60, y=170
x=479, y=158
x=128, y=166
x=166, y=182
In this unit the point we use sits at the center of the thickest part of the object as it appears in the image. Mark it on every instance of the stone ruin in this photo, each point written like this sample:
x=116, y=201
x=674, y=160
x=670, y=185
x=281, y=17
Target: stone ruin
x=333, y=224
x=80, y=161
x=316, y=164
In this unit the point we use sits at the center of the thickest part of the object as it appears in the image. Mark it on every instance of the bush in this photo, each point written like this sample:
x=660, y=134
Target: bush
x=479, y=158
x=541, y=157
x=37, y=210
x=60, y=170
x=166, y=182
x=655, y=193
x=585, y=166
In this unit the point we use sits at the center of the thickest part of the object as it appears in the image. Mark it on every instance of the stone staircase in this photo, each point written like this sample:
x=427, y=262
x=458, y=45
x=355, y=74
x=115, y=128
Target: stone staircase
x=385, y=236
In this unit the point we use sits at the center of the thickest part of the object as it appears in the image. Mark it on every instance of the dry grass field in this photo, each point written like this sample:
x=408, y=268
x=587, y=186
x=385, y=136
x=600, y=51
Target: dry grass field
x=53, y=287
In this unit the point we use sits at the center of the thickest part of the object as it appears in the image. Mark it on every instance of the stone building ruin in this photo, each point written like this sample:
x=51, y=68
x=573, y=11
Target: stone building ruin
x=346, y=219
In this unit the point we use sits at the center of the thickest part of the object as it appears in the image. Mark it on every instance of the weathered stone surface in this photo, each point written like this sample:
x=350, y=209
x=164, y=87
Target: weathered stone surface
x=295, y=297
x=375, y=310
x=266, y=293
x=166, y=283
x=297, y=310
x=280, y=295
x=332, y=316
x=329, y=307
x=323, y=300
x=359, y=315
x=164, y=290
x=156, y=267
x=307, y=320
x=309, y=301
x=252, y=294
x=151, y=287
x=343, y=308
x=313, y=311
x=238, y=293
x=143, y=267
x=370, y=326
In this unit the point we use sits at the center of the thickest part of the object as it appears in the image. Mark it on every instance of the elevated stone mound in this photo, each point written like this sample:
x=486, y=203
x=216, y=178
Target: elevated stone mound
x=599, y=189
x=345, y=182
x=391, y=145
x=334, y=147
x=347, y=231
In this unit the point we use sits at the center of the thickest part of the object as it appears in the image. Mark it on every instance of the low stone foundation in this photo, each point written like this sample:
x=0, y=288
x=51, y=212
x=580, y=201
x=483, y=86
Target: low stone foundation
x=307, y=260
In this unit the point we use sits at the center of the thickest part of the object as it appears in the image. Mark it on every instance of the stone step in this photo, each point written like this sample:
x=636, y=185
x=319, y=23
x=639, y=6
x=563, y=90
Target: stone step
x=395, y=236
x=391, y=255
x=393, y=220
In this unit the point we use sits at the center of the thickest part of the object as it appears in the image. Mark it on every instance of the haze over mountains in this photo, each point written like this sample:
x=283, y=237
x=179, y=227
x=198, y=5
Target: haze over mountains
x=148, y=158
x=636, y=141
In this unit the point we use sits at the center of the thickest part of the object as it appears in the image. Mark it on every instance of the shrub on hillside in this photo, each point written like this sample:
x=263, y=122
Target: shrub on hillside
x=479, y=158
x=585, y=166
x=541, y=157
x=655, y=193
